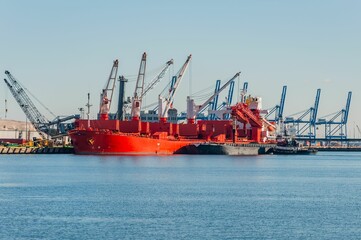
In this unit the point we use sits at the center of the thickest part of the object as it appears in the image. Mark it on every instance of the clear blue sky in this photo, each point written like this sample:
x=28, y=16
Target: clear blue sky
x=60, y=50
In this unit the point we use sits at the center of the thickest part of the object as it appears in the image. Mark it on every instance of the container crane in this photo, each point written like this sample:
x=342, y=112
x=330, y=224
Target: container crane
x=337, y=129
x=40, y=123
x=301, y=125
x=193, y=110
x=214, y=103
x=107, y=93
x=278, y=109
x=165, y=103
x=229, y=98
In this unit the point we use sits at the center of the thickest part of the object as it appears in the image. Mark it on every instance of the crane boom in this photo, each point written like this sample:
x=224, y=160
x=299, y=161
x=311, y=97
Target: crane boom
x=107, y=93
x=347, y=108
x=282, y=104
x=165, y=103
x=157, y=78
x=315, y=108
x=244, y=92
x=39, y=122
x=139, y=87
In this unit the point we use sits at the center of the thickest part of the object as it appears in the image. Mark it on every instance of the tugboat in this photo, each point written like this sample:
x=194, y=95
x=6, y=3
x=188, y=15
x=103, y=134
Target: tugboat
x=287, y=145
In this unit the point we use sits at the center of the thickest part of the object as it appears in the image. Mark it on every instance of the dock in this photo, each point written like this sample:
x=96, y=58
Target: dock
x=36, y=150
x=339, y=149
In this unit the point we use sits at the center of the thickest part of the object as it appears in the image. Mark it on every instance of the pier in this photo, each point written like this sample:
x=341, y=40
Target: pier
x=36, y=150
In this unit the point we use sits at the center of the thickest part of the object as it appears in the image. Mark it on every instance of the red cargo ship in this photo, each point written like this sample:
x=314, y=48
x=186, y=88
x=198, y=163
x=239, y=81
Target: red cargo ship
x=116, y=143
x=138, y=138
x=106, y=136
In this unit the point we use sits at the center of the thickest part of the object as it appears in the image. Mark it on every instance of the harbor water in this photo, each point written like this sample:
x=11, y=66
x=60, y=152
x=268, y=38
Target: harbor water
x=181, y=197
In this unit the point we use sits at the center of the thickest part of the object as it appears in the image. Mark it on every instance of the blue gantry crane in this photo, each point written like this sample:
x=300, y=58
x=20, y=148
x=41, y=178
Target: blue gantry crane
x=278, y=109
x=214, y=103
x=305, y=128
x=336, y=126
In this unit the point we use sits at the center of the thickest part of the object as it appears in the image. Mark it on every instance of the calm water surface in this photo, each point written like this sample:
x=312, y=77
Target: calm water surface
x=180, y=197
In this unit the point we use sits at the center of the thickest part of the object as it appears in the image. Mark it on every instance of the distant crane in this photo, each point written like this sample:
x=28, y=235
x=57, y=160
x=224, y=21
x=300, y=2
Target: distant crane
x=165, y=103
x=40, y=123
x=229, y=97
x=107, y=93
x=278, y=109
x=337, y=129
x=214, y=103
x=193, y=110
x=305, y=128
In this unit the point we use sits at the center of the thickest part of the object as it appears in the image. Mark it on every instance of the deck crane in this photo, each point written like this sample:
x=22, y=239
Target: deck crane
x=244, y=92
x=193, y=110
x=138, y=97
x=337, y=129
x=278, y=109
x=40, y=123
x=107, y=93
x=301, y=125
x=139, y=87
x=165, y=103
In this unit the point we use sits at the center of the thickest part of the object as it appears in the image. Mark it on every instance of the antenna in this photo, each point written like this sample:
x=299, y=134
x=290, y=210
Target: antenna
x=88, y=105
x=6, y=108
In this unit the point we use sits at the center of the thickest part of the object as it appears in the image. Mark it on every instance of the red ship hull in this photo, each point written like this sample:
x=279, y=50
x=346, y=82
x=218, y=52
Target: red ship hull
x=100, y=142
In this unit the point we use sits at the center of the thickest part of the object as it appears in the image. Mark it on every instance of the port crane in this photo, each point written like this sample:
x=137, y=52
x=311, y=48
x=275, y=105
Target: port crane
x=213, y=104
x=165, y=103
x=140, y=91
x=336, y=127
x=40, y=123
x=229, y=98
x=193, y=110
x=302, y=125
x=107, y=92
x=278, y=109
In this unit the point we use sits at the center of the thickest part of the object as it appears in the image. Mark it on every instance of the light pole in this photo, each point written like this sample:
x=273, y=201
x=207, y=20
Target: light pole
x=26, y=128
x=26, y=124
